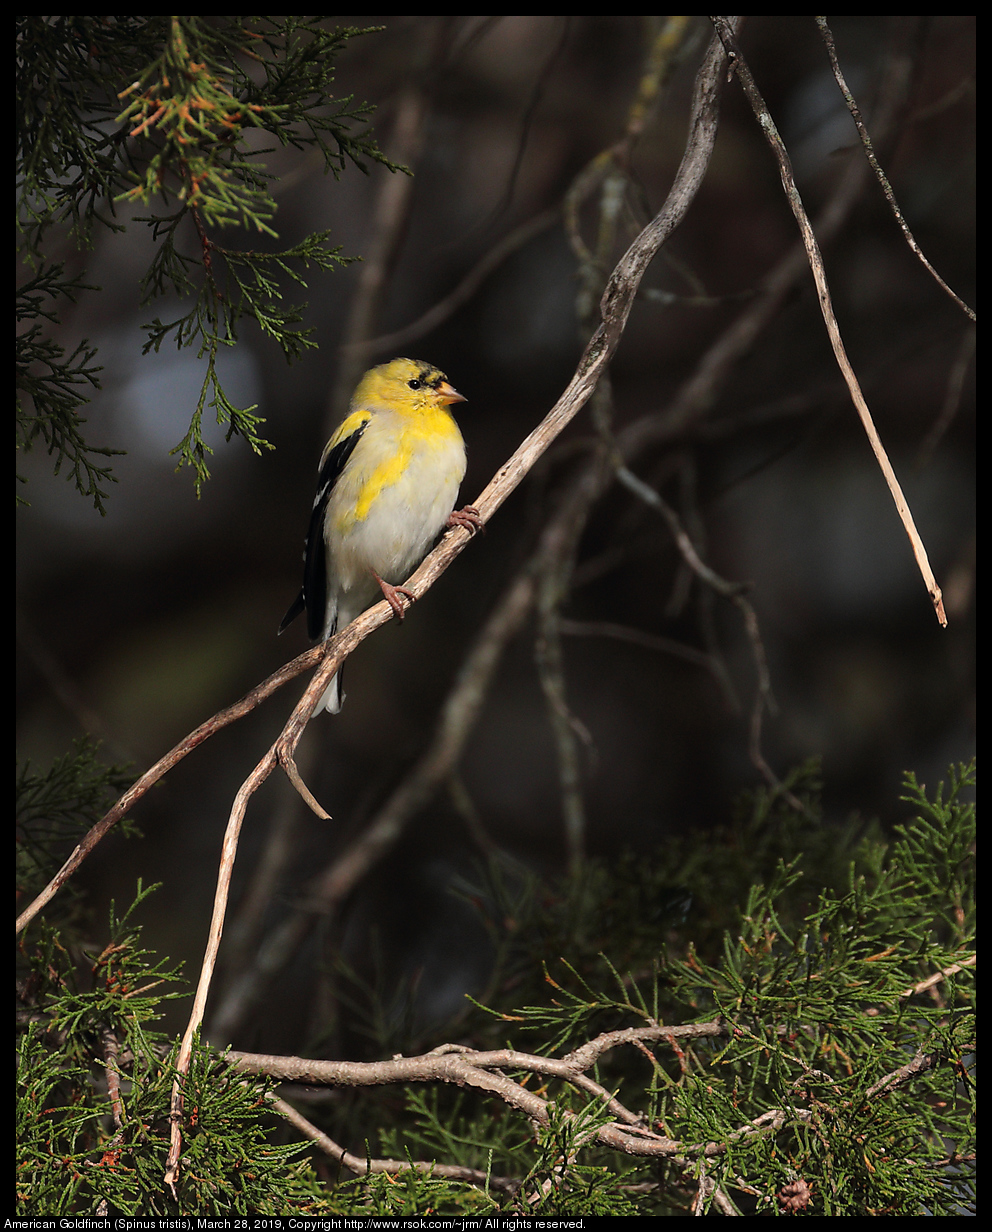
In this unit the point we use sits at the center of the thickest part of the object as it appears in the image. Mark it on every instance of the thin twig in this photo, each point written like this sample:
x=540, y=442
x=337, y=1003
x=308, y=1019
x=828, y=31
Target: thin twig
x=736, y=593
x=111, y=1056
x=952, y=398
x=939, y=976
x=920, y=1064
x=435, y=316
x=588, y=1054
x=686, y=547
x=279, y=753
x=890, y=196
x=657, y=642
x=258, y=776
x=362, y=1165
x=311, y=801
x=281, y=845
x=763, y=116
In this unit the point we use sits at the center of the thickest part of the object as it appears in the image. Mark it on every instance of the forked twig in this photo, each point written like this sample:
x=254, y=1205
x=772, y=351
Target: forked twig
x=629, y=1132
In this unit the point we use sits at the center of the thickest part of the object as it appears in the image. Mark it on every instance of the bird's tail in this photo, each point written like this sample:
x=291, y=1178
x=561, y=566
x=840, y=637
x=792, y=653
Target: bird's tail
x=333, y=695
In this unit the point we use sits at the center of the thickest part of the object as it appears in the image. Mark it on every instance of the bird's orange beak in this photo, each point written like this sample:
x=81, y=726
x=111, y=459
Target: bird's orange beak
x=447, y=394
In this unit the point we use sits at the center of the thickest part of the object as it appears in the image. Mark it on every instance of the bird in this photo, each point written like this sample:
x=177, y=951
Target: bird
x=386, y=487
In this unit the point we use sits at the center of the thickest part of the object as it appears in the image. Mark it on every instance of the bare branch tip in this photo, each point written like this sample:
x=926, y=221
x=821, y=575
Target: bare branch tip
x=294, y=776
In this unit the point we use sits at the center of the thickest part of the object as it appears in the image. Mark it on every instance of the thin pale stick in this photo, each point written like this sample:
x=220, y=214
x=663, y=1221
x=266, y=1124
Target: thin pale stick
x=763, y=116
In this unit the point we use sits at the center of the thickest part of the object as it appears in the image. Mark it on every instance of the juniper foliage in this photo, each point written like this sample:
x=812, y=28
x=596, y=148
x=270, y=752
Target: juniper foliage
x=175, y=113
x=838, y=961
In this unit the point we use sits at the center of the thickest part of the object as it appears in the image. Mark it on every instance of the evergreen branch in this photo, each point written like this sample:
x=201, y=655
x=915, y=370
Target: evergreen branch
x=199, y=88
x=198, y=102
x=758, y=1105
x=50, y=384
x=55, y=806
x=51, y=380
x=808, y=1056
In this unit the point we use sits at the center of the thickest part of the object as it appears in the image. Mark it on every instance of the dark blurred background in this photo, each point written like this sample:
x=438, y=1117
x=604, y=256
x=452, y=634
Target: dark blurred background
x=138, y=626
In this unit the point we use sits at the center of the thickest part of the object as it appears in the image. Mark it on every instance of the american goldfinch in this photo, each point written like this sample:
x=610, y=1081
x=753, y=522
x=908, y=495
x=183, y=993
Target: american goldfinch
x=386, y=487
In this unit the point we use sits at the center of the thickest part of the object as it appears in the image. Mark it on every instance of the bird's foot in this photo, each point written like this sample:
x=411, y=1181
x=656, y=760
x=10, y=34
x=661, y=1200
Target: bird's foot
x=392, y=594
x=469, y=518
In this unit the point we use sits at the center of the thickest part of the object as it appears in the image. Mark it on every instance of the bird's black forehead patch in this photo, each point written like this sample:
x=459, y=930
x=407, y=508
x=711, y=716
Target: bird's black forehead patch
x=430, y=375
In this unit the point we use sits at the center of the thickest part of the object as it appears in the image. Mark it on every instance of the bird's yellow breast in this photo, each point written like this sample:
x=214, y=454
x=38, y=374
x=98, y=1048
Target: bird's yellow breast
x=414, y=451
x=395, y=494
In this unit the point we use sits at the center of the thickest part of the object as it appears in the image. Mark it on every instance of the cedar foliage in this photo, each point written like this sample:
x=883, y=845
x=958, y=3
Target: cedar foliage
x=118, y=112
x=843, y=1083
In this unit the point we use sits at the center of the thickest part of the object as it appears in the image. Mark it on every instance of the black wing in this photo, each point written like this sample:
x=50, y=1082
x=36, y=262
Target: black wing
x=313, y=596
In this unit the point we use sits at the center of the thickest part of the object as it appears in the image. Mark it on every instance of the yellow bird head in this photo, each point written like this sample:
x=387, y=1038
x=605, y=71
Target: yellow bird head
x=405, y=384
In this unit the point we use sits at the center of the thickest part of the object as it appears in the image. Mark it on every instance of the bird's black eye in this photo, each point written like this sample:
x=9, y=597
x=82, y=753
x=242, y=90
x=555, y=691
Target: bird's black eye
x=415, y=384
